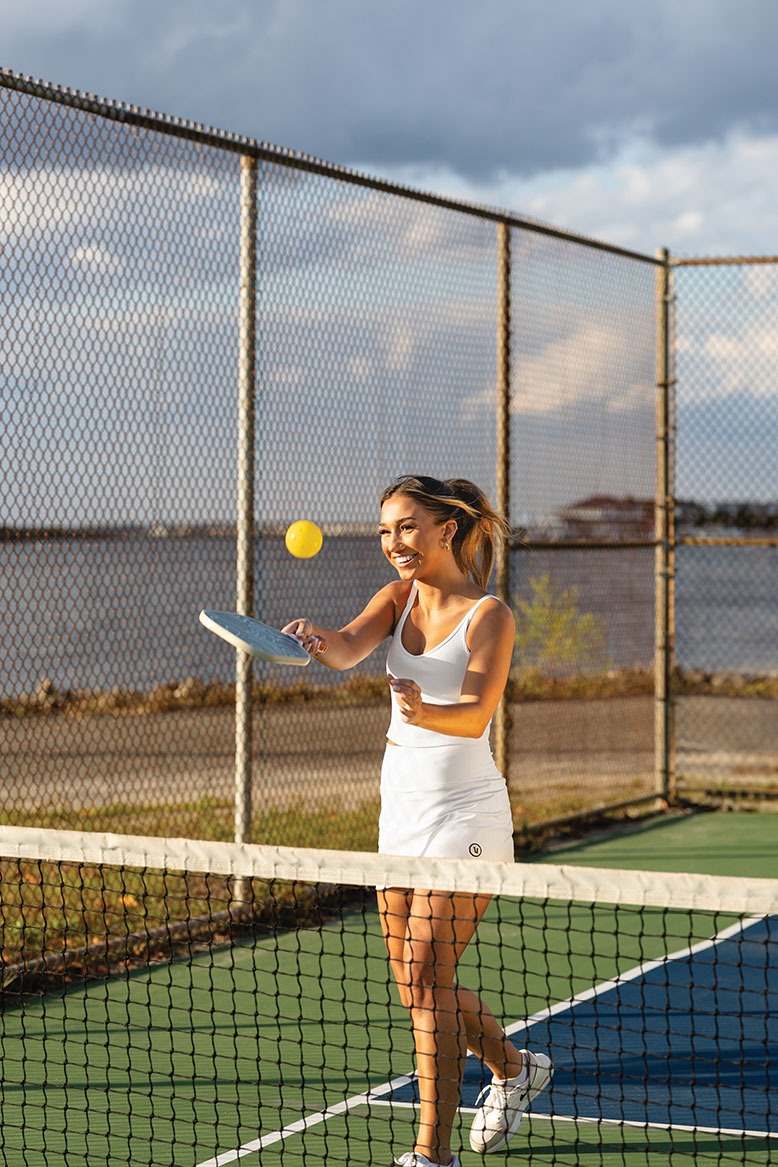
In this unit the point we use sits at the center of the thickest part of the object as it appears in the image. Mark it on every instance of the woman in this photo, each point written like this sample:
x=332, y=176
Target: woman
x=441, y=793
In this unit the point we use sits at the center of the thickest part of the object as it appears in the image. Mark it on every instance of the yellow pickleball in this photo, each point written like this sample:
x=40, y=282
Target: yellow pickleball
x=303, y=539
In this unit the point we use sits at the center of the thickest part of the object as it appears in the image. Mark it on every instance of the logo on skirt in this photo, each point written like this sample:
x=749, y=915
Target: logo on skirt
x=475, y=849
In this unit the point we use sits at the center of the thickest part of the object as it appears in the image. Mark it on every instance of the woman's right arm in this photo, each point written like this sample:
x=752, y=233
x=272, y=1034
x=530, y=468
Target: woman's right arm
x=345, y=647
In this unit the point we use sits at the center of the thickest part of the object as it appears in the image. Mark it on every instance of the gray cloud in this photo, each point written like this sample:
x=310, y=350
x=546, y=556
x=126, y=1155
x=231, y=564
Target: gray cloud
x=514, y=86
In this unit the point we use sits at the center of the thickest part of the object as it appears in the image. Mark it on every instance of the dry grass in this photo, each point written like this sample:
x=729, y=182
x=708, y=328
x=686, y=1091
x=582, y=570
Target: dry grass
x=525, y=684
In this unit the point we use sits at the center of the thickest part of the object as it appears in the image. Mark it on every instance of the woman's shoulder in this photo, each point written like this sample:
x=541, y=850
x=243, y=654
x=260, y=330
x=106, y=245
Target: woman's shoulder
x=493, y=616
x=396, y=594
x=397, y=590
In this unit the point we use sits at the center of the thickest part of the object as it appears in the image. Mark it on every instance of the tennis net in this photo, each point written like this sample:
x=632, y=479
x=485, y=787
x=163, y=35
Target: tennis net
x=199, y=1003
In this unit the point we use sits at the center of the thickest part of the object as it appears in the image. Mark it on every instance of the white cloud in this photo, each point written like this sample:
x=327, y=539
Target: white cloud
x=401, y=344
x=359, y=368
x=287, y=375
x=585, y=367
x=762, y=281
x=45, y=201
x=709, y=199
x=97, y=259
x=745, y=362
x=588, y=365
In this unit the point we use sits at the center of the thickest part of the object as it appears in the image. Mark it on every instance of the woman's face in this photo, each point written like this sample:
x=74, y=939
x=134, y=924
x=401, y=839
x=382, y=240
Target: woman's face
x=411, y=539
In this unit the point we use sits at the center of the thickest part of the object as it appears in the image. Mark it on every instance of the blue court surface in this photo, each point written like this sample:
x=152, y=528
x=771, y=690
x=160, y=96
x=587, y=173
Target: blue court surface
x=686, y=1042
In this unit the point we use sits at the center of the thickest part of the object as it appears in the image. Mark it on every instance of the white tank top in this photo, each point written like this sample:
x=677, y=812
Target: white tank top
x=439, y=673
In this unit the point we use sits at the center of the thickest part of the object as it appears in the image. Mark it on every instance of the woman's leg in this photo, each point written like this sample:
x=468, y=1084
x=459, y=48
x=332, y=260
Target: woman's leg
x=486, y=1038
x=426, y=934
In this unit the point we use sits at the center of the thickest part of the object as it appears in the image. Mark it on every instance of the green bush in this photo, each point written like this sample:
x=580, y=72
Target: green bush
x=553, y=636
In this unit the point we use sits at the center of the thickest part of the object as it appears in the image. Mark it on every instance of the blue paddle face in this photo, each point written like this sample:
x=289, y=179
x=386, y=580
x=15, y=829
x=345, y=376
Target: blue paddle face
x=255, y=638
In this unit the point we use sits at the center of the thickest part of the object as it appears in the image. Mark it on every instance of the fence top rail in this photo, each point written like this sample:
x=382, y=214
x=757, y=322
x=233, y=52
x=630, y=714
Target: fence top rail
x=723, y=260
x=283, y=156
x=727, y=541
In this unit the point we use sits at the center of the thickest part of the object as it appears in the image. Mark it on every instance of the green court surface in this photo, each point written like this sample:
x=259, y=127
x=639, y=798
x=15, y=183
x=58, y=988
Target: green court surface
x=263, y=1052
x=714, y=844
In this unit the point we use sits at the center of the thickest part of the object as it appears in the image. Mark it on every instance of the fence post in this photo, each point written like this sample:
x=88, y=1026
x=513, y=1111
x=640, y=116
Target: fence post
x=664, y=569
x=502, y=721
x=245, y=493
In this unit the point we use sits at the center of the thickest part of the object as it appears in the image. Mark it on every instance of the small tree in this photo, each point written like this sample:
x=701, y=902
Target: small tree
x=552, y=635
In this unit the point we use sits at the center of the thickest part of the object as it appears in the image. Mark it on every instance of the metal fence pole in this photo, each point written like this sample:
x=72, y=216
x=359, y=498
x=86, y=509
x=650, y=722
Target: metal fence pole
x=503, y=500
x=664, y=615
x=245, y=516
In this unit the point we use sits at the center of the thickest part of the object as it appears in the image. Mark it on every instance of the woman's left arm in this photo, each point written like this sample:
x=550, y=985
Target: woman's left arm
x=490, y=640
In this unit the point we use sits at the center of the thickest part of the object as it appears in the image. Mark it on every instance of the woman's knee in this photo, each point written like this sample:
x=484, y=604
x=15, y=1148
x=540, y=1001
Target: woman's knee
x=424, y=980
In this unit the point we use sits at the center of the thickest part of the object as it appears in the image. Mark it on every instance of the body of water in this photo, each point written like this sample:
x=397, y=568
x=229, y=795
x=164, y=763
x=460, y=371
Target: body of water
x=95, y=614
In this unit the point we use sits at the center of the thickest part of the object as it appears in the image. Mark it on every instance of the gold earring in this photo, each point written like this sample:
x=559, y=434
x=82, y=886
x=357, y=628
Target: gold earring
x=447, y=545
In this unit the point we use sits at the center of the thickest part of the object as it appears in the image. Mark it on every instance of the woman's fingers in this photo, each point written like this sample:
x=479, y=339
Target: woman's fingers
x=302, y=629
x=408, y=696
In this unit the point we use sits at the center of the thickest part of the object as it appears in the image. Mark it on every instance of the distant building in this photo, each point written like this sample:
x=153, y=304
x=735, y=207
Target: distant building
x=605, y=517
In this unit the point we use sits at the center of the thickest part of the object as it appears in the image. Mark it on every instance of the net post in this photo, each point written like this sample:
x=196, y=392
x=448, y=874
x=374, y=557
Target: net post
x=503, y=499
x=664, y=511
x=245, y=495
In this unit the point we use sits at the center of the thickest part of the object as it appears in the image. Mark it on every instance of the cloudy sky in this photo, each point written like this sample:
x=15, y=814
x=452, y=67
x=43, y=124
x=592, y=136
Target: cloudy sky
x=651, y=124
x=647, y=124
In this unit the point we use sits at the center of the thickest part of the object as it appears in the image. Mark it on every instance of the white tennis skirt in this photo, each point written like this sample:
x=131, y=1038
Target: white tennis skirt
x=448, y=802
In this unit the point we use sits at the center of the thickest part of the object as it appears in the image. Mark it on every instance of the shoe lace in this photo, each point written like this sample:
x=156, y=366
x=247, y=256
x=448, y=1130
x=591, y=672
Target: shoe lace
x=496, y=1088
x=498, y=1093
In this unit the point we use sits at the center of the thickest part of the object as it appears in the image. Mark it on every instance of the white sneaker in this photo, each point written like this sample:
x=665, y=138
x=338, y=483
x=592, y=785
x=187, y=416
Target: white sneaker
x=416, y=1159
x=504, y=1104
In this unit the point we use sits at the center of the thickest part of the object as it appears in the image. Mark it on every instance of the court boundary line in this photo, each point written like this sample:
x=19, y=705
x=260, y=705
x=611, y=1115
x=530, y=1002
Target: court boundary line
x=302, y=1124
x=657, y=1126
x=277, y=1136
x=615, y=1122
x=632, y=974
x=365, y=1098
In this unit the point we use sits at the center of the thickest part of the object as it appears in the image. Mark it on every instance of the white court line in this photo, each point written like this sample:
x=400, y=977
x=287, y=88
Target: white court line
x=294, y=1128
x=632, y=974
x=303, y=1124
x=375, y=1096
x=583, y=1120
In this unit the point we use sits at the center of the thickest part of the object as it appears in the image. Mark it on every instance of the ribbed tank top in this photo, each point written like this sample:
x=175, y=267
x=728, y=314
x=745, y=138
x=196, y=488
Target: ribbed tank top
x=439, y=673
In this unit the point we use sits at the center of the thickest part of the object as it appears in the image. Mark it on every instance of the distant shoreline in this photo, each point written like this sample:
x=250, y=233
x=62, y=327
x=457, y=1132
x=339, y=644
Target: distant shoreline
x=523, y=538
x=524, y=686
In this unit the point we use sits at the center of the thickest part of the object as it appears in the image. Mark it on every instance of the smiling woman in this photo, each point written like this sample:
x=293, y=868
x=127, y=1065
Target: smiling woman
x=441, y=793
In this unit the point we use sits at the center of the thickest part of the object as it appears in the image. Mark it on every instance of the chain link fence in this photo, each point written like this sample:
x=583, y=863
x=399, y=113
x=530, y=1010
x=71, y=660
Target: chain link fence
x=583, y=481
x=726, y=676
x=206, y=338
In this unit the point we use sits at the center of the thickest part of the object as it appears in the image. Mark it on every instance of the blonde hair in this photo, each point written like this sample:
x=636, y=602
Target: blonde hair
x=479, y=527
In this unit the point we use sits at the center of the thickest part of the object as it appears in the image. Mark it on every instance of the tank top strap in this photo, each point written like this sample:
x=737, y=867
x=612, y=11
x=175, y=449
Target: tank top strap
x=476, y=606
x=398, y=629
x=461, y=627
